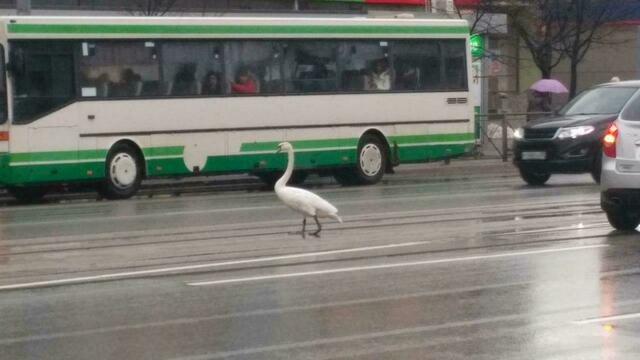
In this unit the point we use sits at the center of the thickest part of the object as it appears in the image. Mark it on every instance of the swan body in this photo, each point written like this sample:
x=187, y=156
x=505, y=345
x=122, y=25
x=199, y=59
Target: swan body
x=300, y=200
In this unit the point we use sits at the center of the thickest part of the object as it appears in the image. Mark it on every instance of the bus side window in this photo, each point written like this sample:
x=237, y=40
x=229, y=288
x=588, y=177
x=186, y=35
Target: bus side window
x=365, y=66
x=417, y=65
x=454, y=58
x=121, y=69
x=192, y=68
x=45, y=79
x=253, y=67
x=311, y=66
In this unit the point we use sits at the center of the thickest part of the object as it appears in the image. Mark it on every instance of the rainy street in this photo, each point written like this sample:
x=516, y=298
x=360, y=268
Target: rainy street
x=436, y=262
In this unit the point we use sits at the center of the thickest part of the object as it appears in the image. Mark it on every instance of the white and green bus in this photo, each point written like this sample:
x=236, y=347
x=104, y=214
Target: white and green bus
x=114, y=100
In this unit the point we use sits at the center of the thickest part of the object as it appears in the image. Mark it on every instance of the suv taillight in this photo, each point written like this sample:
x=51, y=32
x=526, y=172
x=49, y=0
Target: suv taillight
x=609, y=141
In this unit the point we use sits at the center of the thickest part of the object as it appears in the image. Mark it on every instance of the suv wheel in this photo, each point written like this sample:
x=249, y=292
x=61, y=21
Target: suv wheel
x=534, y=178
x=596, y=170
x=623, y=221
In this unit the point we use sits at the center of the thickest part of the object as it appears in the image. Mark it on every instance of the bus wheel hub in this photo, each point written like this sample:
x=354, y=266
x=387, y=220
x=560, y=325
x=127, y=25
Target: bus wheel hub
x=123, y=170
x=370, y=160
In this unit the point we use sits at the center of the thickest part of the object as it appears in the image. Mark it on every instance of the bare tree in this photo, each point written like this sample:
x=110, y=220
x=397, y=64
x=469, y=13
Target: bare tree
x=479, y=14
x=150, y=7
x=586, y=19
x=543, y=29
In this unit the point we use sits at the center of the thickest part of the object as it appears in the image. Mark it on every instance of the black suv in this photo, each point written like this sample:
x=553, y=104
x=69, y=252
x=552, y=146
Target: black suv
x=570, y=140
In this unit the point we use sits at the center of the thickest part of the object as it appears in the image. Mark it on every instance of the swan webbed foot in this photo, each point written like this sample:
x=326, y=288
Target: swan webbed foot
x=315, y=234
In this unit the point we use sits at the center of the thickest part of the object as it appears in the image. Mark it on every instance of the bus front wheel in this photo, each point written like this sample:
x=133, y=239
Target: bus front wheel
x=123, y=173
x=371, y=162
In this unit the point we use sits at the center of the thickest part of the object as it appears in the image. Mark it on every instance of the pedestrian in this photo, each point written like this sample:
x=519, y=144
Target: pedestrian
x=539, y=102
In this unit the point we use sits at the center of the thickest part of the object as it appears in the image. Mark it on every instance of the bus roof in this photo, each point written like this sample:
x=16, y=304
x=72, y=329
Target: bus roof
x=40, y=27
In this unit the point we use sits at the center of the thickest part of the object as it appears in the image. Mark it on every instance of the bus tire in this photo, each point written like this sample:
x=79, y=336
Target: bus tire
x=27, y=194
x=123, y=173
x=371, y=163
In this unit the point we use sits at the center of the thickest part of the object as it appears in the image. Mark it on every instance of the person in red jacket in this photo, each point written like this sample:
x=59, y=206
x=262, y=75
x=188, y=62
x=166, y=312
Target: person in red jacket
x=245, y=84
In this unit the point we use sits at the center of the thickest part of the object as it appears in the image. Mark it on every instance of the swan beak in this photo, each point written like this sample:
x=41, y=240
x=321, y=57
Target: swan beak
x=278, y=149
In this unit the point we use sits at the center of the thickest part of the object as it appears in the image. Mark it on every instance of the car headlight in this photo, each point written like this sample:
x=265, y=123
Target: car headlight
x=518, y=134
x=574, y=132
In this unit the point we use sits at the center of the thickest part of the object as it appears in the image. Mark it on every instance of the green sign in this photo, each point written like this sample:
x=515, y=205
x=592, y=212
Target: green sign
x=477, y=45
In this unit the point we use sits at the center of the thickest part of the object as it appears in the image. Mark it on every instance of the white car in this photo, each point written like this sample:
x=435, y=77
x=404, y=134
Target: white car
x=620, y=178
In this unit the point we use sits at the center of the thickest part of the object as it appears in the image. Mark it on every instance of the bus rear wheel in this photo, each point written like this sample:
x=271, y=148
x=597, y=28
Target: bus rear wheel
x=27, y=194
x=123, y=173
x=371, y=163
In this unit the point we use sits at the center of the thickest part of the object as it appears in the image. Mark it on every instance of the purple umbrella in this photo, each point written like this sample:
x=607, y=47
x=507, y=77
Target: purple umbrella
x=549, y=86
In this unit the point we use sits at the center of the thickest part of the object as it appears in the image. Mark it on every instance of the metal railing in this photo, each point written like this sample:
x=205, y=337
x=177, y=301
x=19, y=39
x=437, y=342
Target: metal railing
x=496, y=130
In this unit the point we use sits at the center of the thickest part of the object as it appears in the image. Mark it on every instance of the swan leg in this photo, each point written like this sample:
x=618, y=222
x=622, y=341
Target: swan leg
x=317, y=233
x=304, y=225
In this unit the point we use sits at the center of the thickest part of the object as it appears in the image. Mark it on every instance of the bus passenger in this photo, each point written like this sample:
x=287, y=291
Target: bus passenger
x=130, y=83
x=211, y=84
x=184, y=81
x=245, y=84
x=380, y=77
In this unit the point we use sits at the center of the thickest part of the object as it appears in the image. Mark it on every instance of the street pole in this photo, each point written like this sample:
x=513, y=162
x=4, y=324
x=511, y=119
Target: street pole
x=23, y=7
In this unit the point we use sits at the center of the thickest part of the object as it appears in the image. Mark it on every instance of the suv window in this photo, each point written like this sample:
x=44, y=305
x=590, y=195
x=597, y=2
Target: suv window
x=632, y=111
x=600, y=100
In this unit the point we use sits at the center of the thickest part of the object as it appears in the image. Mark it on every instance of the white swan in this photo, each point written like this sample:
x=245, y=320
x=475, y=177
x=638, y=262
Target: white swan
x=303, y=201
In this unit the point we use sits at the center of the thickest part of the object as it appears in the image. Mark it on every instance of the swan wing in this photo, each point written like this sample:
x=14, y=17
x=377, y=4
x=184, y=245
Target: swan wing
x=306, y=202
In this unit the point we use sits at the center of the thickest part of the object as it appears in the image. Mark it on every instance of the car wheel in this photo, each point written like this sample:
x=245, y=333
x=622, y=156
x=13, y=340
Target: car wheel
x=123, y=173
x=371, y=162
x=596, y=170
x=27, y=194
x=623, y=221
x=534, y=178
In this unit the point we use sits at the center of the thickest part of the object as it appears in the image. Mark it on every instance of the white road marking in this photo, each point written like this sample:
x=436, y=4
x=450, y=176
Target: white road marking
x=114, y=276
x=607, y=318
x=391, y=266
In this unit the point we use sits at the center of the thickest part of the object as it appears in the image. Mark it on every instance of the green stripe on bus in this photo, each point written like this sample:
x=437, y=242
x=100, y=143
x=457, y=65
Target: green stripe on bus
x=300, y=144
x=38, y=173
x=163, y=151
x=58, y=156
x=353, y=142
x=231, y=29
x=417, y=139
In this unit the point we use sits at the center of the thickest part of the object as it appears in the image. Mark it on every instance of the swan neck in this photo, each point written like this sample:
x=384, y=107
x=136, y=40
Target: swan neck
x=287, y=174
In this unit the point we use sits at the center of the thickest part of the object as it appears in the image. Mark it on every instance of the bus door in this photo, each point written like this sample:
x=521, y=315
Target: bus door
x=44, y=86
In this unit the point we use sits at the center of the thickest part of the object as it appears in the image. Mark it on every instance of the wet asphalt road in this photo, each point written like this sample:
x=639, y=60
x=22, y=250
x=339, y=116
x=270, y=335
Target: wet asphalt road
x=462, y=262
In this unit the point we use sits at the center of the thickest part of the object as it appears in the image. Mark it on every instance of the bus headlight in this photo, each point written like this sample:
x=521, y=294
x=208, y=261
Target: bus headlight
x=574, y=132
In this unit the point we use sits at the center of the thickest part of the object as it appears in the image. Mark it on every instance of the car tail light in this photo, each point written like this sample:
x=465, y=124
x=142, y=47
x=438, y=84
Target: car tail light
x=4, y=136
x=609, y=140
